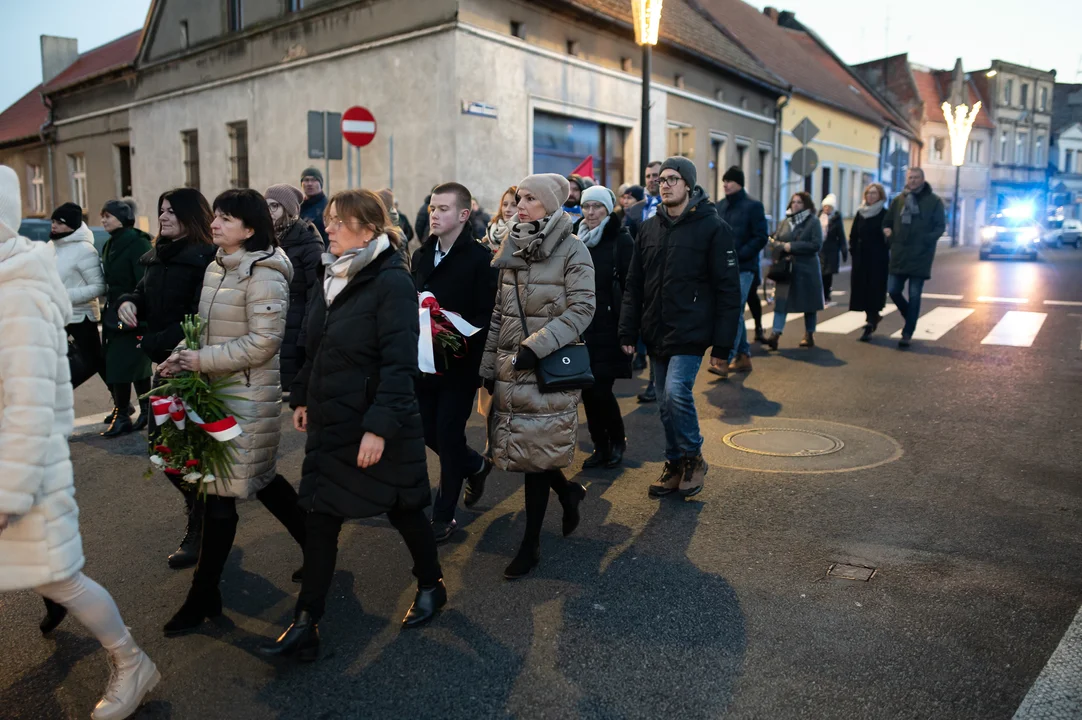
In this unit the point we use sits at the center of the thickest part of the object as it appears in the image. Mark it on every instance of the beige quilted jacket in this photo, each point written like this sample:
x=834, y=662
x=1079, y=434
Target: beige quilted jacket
x=532, y=431
x=244, y=300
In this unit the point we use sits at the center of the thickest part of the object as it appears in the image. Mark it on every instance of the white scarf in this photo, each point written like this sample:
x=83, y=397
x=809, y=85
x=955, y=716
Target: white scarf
x=497, y=232
x=340, y=270
x=867, y=211
x=590, y=238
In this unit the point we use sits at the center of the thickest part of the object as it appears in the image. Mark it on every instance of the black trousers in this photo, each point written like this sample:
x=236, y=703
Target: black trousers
x=321, y=553
x=122, y=392
x=828, y=284
x=603, y=417
x=446, y=407
x=537, y=501
x=755, y=305
x=88, y=340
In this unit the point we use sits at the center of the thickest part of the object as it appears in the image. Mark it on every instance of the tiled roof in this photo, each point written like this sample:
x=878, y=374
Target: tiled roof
x=24, y=118
x=934, y=88
x=110, y=56
x=798, y=58
x=682, y=24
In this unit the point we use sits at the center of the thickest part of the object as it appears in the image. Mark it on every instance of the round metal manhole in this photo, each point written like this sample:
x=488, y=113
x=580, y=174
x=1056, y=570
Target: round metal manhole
x=783, y=442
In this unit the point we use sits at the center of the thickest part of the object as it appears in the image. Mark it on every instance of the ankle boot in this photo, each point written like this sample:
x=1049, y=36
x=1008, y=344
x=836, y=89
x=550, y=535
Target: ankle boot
x=808, y=341
x=144, y=409
x=528, y=557
x=204, y=598
x=570, y=498
x=187, y=554
x=54, y=615
x=300, y=639
x=616, y=454
x=599, y=457
x=133, y=676
x=425, y=604
x=121, y=425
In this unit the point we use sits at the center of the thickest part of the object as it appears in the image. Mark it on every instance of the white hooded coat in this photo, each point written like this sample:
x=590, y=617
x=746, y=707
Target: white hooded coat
x=41, y=544
x=79, y=265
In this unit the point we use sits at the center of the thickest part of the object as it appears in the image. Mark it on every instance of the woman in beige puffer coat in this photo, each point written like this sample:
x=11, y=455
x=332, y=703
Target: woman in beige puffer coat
x=244, y=302
x=529, y=431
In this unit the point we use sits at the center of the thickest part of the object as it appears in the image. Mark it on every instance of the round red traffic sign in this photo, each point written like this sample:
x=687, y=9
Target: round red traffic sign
x=358, y=126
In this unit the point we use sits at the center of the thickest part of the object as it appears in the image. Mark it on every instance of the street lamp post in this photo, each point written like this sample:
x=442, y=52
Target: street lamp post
x=959, y=124
x=646, y=15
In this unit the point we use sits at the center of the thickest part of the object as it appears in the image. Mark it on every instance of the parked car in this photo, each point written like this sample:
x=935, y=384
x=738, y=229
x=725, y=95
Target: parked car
x=1071, y=232
x=1051, y=233
x=40, y=228
x=1014, y=234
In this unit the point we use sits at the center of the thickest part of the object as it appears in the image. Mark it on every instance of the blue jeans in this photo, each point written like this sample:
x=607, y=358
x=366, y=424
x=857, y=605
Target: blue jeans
x=675, y=378
x=780, y=305
x=910, y=309
x=741, y=346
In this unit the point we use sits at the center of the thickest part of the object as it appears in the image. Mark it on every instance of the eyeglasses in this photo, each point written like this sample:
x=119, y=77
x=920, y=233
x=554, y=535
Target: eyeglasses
x=334, y=223
x=671, y=180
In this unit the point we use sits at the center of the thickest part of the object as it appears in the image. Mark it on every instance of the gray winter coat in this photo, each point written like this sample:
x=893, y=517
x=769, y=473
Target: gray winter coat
x=804, y=293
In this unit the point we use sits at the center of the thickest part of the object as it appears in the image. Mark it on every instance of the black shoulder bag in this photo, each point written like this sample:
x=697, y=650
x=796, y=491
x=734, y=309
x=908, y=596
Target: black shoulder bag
x=564, y=370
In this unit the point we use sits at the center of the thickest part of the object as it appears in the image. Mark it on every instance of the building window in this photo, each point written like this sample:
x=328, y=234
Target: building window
x=236, y=15
x=238, y=154
x=573, y=48
x=294, y=5
x=561, y=143
x=36, y=188
x=719, y=95
x=184, y=34
x=681, y=141
x=856, y=192
x=1008, y=92
x=190, y=140
x=826, y=182
x=764, y=169
x=1025, y=94
x=935, y=149
x=678, y=81
x=1044, y=99
x=1068, y=160
x=625, y=64
x=974, y=151
x=717, y=165
x=518, y=29
x=1038, y=152
x=123, y=170
x=77, y=171
x=1021, y=148
x=1003, y=147
x=742, y=158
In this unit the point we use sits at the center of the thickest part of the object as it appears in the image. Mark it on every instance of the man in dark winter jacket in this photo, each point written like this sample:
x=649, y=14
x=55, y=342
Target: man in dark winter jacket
x=682, y=296
x=913, y=225
x=457, y=270
x=747, y=220
x=315, y=201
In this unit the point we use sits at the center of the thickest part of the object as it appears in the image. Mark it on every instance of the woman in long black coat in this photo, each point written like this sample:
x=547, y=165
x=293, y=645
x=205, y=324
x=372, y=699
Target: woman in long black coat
x=304, y=247
x=355, y=398
x=830, y=220
x=169, y=290
x=871, y=259
x=611, y=247
x=799, y=237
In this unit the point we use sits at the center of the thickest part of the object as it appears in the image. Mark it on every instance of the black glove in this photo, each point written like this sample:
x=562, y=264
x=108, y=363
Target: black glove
x=490, y=385
x=526, y=359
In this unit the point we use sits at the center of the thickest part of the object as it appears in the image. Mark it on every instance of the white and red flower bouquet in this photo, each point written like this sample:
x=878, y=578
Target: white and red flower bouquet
x=442, y=331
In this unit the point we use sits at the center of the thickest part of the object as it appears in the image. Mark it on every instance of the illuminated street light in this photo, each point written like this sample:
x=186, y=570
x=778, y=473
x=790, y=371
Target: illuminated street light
x=959, y=125
x=646, y=15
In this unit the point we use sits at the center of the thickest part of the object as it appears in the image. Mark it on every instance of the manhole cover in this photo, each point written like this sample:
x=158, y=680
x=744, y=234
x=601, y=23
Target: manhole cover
x=860, y=573
x=783, y=442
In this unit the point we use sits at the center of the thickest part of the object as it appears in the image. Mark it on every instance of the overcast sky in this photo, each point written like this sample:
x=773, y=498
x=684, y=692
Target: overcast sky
x=1045, y=34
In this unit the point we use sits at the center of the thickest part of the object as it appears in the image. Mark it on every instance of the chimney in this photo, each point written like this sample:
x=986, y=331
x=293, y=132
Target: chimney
x=787, y=19
x=57, y=55
x=771, y=13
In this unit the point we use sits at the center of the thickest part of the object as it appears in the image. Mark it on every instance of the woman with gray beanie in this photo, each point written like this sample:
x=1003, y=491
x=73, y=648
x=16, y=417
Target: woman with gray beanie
x=545, y=300
x=304, y=247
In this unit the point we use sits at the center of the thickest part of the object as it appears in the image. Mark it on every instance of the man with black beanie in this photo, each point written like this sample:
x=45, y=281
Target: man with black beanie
x=747, y=219
x=683, y=297
x=315, y=201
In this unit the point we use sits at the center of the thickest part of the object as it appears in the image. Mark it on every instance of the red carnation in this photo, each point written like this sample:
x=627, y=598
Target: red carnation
x=191, y=463
x=162, y=449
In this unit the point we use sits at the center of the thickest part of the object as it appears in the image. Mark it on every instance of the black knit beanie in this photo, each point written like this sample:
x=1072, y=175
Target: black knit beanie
x=70, y=214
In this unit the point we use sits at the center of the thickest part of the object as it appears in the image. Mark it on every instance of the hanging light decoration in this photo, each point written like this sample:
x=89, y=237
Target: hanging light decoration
x=959, y=124
x=646, y=15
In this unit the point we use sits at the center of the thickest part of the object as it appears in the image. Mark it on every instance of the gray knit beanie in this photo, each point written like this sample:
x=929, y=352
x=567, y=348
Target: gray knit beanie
x=289, y=197
x=551, y=189
x=685, y=167
x=599, y=194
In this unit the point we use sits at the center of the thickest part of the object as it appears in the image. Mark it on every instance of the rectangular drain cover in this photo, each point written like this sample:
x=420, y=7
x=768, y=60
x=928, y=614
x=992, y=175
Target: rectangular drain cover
x=851, y=572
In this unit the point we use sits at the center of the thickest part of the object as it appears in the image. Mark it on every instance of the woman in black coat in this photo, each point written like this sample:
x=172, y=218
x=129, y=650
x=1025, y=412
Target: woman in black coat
x=799, y=238
x=611, y=247
x=304, y=247
x=871, y=258
x=355, y=398
x=830, y=220
x=169, y=290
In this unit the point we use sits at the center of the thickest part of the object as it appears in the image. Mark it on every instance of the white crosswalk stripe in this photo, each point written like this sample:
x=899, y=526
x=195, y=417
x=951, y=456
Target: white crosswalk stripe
x=849, y=322
x=937, y=322
x=1017, y=329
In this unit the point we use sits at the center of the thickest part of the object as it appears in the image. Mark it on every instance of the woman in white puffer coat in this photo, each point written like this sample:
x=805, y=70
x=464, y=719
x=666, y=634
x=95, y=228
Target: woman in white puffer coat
x=79, y=265
x=40, y=545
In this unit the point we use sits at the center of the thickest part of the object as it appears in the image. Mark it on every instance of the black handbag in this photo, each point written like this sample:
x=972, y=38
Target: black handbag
x=781, y=270
x=564, y=370
x=81, y=370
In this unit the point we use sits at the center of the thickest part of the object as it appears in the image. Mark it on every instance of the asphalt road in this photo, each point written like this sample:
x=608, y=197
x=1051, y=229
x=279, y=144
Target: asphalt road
x=968, y=506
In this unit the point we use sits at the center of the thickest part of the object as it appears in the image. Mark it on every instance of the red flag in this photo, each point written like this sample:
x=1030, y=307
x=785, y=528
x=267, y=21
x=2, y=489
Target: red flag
x=585, y=168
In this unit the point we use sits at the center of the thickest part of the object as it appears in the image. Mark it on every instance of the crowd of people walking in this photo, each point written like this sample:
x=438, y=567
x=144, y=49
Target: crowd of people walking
x=314, y=301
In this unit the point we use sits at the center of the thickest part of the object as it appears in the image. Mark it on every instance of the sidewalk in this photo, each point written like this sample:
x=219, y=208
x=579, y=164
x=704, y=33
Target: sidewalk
x=1057, y=692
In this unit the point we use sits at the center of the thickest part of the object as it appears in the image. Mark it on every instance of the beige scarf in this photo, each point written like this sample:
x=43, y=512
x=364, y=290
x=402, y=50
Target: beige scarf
x=340, y=270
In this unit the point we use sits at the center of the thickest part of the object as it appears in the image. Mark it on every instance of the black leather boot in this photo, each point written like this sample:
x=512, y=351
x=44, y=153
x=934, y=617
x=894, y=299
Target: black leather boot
x=144, y=410
x=528, y=557
x=204, y=598
x=570, y=500
x=121, y=425
x=300, y=639
x=600, y=456
x=54, y=615
x=187, y=554
x=425, y=605
x=616, y=455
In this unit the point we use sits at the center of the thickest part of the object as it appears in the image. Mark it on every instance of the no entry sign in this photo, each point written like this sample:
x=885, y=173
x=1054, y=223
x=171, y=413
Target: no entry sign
x=358, y=126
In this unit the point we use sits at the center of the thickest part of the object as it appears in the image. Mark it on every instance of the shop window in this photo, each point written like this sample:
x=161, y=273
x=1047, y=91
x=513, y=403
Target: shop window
x=561, y=143
x=238, y=154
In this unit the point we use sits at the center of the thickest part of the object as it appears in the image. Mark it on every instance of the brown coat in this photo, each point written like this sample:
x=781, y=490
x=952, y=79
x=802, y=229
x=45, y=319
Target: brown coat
x=531, y=431
x=244, y=300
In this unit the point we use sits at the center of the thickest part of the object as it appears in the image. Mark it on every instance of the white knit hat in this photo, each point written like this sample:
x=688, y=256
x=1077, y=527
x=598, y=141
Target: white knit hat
x=11, y=206
x=831, y=200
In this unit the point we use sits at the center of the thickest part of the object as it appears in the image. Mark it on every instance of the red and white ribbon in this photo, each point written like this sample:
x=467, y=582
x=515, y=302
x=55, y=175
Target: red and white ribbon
x=426, y=357
x=175, y=409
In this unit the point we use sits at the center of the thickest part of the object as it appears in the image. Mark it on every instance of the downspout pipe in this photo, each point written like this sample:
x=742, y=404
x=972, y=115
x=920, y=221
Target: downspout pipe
x=47, y=133
x=779, y=161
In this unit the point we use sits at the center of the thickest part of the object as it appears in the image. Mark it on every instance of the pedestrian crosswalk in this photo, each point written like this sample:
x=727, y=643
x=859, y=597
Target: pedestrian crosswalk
x=937, y=322
x=1017, y=329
